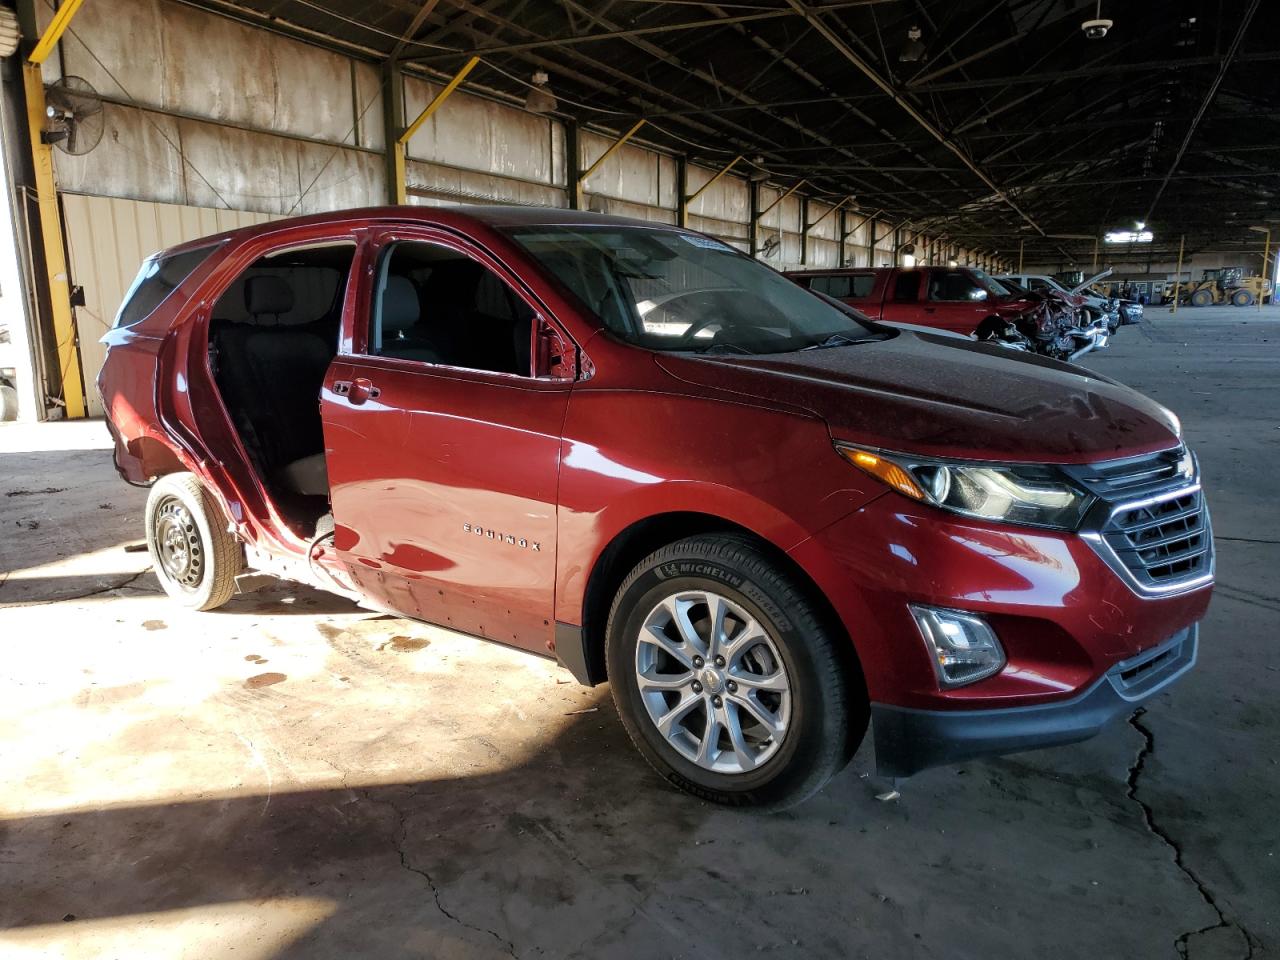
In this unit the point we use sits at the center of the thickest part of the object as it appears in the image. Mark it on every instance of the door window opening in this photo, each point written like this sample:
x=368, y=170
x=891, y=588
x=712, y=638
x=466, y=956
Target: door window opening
x=436, y=305
x=272, y=335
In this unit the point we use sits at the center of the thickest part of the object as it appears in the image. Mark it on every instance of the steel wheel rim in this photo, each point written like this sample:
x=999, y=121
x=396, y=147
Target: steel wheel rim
x=177, y=543
x=712, y=682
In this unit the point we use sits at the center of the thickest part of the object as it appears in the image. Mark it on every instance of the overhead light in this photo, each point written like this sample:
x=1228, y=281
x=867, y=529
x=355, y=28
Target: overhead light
x=1128, y=236
x=1097, y=28
x=540, y=99
x=913, y=49
x=1140, y=224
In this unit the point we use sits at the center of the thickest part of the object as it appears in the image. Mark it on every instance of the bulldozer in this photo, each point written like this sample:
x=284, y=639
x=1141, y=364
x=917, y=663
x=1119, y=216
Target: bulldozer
x=1223, y=285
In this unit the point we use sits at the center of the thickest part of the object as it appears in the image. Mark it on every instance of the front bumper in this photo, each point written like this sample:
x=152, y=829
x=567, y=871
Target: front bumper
x=910, y=740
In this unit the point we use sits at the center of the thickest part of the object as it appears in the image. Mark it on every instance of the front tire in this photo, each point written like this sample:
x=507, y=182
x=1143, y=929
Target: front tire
x=1201, y=298
x=196, y=559
x=727, y=678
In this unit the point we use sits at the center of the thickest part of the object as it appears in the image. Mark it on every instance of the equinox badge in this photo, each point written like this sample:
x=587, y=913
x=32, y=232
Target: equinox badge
x=503, y=537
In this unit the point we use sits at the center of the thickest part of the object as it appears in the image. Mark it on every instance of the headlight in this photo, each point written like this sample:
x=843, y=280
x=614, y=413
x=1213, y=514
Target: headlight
x=1030, y=495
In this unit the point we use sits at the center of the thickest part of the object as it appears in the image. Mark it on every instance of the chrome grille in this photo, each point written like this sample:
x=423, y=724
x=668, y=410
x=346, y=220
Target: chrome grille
x=1163, y=542
x=1152, y=523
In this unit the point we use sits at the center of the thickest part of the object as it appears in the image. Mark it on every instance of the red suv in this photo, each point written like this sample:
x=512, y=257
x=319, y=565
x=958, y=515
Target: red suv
x=958, y=299
x=764, y=520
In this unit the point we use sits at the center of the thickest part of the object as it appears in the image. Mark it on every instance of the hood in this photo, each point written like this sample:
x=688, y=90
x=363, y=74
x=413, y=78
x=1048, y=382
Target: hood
x=932, y=394
x=1092, y=280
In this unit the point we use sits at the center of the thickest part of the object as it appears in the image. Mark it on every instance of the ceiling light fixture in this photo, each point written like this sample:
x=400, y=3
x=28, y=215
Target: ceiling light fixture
x=540, y=99
x=913, y=49
x=1097, y=28
x=1128, y=236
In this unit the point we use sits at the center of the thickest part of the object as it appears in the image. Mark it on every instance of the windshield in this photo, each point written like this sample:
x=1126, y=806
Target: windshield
x=1013, y=288
x=988, y=283
x=668, y=290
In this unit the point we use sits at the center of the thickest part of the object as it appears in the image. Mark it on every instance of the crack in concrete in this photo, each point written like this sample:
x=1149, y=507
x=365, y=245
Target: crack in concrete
x=397, y=844
x=1182, y=943
x=77, y=596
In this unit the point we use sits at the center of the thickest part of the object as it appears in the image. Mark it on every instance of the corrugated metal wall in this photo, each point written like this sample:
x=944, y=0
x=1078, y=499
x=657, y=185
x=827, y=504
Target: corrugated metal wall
x=108, y=238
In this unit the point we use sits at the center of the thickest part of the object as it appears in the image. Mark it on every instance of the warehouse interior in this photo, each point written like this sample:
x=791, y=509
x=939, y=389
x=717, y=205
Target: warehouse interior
x=296, y=775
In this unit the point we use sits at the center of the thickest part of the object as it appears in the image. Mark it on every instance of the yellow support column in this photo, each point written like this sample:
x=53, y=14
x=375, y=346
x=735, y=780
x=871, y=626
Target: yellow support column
x=1177, y=277
x=402, y=141
x=1266, y=272
x=55, y=257
x=613, y=148
x=684, y=207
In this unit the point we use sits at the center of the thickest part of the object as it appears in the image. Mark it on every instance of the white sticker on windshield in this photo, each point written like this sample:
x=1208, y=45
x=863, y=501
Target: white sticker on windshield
x=706, y=243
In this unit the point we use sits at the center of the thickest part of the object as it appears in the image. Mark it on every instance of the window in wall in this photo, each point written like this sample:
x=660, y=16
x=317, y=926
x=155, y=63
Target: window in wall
x=436, y=305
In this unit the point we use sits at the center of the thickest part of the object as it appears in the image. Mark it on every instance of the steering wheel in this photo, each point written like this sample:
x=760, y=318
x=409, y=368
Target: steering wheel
x=697, y=327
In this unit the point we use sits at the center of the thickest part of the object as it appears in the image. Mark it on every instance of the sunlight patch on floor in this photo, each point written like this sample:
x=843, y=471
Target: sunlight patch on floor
x=244, y=930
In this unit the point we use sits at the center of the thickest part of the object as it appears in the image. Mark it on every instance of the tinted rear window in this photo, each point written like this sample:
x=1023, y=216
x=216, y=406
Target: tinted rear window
x=856, y=286
x=158, y=278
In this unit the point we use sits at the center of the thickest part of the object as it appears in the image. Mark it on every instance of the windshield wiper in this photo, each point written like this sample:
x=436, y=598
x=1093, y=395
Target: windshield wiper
x=837, y=340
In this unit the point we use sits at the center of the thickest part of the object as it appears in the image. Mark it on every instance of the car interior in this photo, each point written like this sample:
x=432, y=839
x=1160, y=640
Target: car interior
x=272, y=335
x=437, y=305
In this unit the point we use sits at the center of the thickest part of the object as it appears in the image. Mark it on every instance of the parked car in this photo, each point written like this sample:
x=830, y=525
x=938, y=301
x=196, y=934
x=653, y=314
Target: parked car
x=1055, y=327
x=1131, y=311
x=763, y=520
x=1097, y=306
x=962, y=300
x=958, y=299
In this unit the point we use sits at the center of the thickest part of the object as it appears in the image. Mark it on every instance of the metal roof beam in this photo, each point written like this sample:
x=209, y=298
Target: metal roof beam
x=623, y=34
x=1208, y=99
x=848, y=53
x=1262, y=56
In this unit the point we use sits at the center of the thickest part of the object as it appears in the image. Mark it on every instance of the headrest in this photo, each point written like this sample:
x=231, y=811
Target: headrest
x=400, y=309
x=267, y=294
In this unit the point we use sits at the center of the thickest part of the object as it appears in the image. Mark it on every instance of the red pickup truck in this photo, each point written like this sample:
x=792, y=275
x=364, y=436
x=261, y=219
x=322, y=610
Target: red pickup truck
x=951, y=298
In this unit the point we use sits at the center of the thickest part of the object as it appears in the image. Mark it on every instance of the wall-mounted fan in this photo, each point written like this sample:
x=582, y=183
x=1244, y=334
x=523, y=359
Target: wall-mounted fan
x=770, y=246
x=75, y=116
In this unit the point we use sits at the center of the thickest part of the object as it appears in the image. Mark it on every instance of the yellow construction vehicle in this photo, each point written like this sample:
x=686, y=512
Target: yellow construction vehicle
x=1223, y=285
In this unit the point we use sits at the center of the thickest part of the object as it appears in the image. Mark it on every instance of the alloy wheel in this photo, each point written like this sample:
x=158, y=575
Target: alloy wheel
x=712, y=682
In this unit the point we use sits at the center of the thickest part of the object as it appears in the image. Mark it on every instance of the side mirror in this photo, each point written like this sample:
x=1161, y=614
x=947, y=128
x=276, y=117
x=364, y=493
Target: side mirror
x=555, y=358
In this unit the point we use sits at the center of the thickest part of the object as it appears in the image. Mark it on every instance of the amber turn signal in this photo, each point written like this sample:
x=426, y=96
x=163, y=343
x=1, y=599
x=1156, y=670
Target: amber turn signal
x=883, y=470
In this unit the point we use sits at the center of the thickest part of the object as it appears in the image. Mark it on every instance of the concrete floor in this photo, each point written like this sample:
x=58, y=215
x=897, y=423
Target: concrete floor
x=292, y=777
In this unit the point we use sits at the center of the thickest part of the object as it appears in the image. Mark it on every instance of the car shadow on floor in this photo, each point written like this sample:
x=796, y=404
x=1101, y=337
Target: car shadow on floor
x=459, y=866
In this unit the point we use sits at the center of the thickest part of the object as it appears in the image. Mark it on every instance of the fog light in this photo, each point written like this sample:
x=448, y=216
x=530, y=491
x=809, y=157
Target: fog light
x=963, y=646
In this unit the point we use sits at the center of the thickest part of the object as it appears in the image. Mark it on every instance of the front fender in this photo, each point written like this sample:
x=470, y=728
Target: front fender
x=774, y=473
